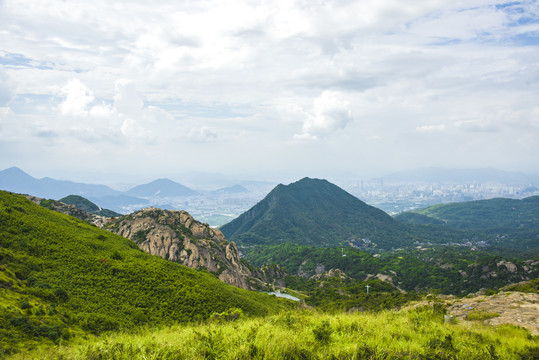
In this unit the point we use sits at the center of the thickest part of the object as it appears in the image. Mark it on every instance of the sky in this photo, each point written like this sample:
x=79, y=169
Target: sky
x=140, y=89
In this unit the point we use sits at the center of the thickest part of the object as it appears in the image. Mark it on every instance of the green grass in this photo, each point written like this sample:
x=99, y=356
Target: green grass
x=61, y=278
x=481, y=315
x=413, y=334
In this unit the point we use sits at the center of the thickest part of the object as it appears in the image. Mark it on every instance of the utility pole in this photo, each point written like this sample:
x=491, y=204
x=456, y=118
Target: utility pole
x=367, y=286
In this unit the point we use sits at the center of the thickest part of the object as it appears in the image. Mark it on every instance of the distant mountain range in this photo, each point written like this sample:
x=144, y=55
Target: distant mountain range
x=314, y=212
x=17, y=181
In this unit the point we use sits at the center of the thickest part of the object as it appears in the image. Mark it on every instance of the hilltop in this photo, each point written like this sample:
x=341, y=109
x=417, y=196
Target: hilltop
x=480, y=214
x=86, y=205
x=161, y=188
x=314, y=212
x=506, y=223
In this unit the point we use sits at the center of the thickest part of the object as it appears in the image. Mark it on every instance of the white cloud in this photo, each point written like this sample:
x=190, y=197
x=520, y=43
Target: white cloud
x=126, y=117
x=174, y=75
x=77, y=98
x=203, y=134
x=331, y=112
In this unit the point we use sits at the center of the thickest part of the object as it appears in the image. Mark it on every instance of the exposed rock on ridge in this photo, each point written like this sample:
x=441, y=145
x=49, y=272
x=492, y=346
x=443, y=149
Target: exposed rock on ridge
x=177, y=236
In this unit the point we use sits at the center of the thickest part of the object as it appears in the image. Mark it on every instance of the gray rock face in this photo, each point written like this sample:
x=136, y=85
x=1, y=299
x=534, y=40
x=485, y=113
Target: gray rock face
x=508, y=265
x=177, y=236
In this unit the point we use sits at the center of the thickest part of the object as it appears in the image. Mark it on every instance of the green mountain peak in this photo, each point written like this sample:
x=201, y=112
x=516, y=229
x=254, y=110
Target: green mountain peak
x=315, y=212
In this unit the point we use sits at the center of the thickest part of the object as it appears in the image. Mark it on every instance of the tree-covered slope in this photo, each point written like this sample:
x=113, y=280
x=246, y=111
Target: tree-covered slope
x=315, y=212
x=451, y=270
x=60, y=276
x=481, y=214
x=502, y=223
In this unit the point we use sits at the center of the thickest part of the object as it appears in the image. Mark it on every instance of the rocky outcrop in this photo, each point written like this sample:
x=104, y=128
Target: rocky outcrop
x=512, y=268
x=333, y=273
x=515, y=308
x=177, y=236
x=508, y=307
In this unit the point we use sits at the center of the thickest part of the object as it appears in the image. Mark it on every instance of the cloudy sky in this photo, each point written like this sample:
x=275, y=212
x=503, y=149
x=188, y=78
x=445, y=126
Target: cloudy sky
x=303, y=88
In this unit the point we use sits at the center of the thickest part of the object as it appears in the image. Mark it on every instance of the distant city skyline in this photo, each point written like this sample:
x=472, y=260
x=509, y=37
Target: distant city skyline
x=128, y=91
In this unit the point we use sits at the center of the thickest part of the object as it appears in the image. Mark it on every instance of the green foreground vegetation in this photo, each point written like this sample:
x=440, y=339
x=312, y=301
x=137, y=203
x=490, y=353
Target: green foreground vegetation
x=61, y=278
x=69, y=290
x=412, y=334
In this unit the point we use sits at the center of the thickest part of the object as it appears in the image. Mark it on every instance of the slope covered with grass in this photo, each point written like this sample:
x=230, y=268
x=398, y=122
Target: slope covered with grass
x=60, y=277
x=413, y=334
x=480, y=215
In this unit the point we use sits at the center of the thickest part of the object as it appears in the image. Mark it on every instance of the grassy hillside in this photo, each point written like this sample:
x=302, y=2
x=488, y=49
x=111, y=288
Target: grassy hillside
x=60, y=277
x=481, y=214
x=507, y=224
x=413, y=334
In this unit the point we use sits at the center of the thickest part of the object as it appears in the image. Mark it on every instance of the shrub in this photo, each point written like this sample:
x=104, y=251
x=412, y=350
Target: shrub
x=322, y=332
x=61, y=294
x=97, y=323
x=226, y=316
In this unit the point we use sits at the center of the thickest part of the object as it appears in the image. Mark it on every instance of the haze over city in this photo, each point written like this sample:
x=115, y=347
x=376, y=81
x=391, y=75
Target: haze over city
x=132, y=91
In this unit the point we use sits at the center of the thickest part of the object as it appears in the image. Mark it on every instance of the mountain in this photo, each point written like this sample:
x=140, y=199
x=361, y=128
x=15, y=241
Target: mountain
x=235, y=189
x=314, y=212
x=61, y=278
x=16, y=180
x=161, y=188
x=507, y=224
x=497, y=213
x=86, y=205
x=176, y=236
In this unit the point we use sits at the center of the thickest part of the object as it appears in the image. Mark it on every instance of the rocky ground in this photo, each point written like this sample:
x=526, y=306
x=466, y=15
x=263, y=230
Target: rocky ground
x=507, y=307
x=516, y=308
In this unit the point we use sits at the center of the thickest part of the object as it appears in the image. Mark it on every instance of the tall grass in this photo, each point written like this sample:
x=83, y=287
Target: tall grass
x=413, y=334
